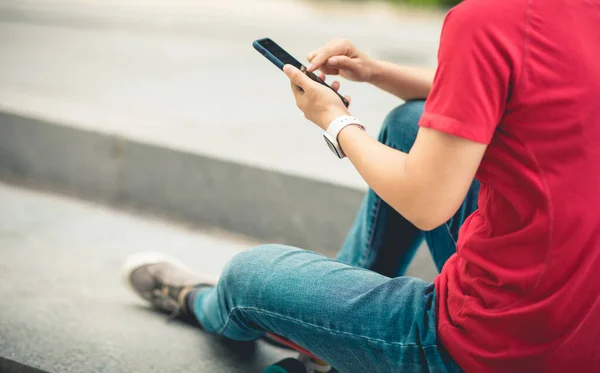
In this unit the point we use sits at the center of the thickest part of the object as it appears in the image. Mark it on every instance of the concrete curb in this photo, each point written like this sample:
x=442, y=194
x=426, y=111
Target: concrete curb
x=10, y=366
x=191, y=188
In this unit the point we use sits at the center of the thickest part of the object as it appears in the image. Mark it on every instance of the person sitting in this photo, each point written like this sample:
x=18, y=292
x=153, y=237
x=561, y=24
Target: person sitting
x=498, y=171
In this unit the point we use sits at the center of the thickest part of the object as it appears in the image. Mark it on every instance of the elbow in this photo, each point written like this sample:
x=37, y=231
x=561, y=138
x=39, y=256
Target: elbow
x=426, y=208
x=426, y=217
x=426, y=223
x=417, y=96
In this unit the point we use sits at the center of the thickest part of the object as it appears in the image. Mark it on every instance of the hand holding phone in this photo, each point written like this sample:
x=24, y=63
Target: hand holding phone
x=280, y=58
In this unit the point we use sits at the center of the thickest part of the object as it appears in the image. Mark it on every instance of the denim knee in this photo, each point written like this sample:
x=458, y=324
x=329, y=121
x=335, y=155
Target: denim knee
x=399, y=129
x=244, y=272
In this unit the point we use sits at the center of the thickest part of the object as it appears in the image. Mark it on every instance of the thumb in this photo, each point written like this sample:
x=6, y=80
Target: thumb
x=341, y=62
x=296, y=76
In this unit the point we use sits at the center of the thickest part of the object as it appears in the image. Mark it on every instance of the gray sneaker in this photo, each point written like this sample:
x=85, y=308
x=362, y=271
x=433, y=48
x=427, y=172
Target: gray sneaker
x=163, y=281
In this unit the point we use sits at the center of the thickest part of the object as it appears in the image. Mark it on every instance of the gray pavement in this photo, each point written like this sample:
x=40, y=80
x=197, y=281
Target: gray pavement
x=63, y=306
x=184, y=75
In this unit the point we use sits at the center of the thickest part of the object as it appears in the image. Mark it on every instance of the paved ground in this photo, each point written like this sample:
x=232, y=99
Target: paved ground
x=63, y=306
x=185, y=75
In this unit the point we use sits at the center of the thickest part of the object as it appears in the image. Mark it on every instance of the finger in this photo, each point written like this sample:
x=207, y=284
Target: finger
x=328, y=71
x=335, y=85
x=297, y=91
x=320, y=58
x=333, y=48
x=334, y=64
x=340, y=62
x=321, y=75
x=349, y=100
x=312, y=55
x=296, y=76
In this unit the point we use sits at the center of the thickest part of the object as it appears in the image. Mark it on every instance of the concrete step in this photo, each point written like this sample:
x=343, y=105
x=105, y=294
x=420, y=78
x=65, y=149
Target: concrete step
x=202, y=89
x=64, y=307
x=190, y=123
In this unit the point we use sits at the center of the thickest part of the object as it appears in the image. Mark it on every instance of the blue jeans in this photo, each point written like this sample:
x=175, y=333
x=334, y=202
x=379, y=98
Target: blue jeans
x=358, y=313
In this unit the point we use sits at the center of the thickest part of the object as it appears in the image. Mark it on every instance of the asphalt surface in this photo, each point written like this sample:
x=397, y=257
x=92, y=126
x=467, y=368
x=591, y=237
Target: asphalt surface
x=64, y=307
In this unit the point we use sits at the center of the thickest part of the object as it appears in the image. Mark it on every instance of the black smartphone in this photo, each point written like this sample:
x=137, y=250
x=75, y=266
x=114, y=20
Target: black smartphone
x=280, y=57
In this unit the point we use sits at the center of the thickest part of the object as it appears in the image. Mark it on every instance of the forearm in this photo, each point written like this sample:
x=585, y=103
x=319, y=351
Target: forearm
x=385, y=171
x=405, y=82
x=426, y=186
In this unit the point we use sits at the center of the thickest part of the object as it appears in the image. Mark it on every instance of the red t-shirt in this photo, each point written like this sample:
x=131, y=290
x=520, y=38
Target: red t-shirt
x=522, y=292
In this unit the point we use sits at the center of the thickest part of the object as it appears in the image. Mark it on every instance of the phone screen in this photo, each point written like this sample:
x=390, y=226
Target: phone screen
x=280, y=57
x=279, y=53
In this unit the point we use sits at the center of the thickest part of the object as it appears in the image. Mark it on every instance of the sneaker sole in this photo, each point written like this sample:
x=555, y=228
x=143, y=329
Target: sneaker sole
x=137, y=260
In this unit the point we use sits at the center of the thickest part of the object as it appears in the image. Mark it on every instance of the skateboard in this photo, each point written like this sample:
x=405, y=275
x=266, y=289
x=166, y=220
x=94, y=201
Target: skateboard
x=306, y=362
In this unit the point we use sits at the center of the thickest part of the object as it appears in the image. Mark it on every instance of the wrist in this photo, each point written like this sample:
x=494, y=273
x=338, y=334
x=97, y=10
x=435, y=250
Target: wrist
x=330, y=116
x=348, y=131
x=376, y=71
x=347, y=136
x=337, y=126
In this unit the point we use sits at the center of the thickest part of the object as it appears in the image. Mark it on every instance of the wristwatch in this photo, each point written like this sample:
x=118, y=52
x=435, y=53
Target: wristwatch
x=334, y=129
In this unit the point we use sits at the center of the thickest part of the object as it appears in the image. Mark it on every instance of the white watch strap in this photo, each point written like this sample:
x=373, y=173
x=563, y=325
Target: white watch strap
x=339, y=123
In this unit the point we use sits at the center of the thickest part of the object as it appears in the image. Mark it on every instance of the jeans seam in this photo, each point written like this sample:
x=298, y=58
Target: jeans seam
x=260, y=311
x=369, y=248
x=220, y=332
x=450, y=233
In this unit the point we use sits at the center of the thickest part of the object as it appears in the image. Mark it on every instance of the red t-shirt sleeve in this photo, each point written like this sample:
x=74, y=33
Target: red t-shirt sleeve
x=473, y=79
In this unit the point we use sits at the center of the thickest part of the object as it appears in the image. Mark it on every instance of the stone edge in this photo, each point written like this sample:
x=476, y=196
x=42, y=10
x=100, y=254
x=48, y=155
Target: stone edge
x=193, y=189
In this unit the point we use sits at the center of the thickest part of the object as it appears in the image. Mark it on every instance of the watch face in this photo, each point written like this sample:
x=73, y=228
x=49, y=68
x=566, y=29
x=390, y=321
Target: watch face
x=331, y=145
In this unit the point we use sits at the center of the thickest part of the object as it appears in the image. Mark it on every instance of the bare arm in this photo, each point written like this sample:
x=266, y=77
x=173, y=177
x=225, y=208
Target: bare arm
x=427, y=185
x=406, y=82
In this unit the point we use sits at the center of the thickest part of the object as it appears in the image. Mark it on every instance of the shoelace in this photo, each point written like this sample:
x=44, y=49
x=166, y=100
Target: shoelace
x=162, y=295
